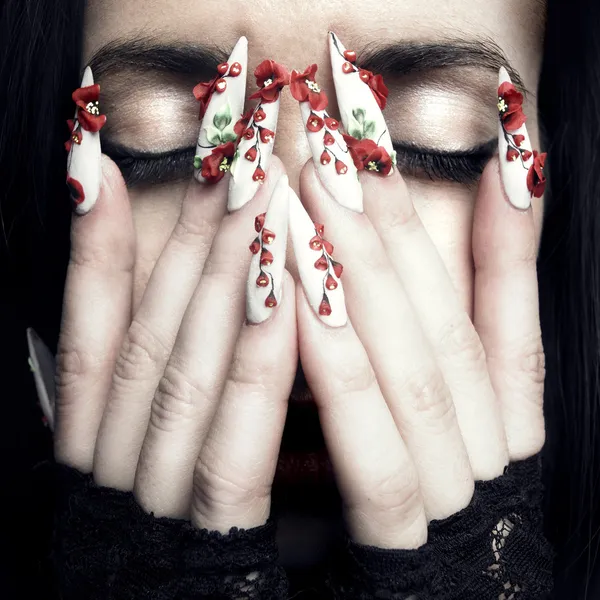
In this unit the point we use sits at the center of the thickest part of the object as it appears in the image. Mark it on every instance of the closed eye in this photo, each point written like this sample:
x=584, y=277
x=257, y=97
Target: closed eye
x=148, y=168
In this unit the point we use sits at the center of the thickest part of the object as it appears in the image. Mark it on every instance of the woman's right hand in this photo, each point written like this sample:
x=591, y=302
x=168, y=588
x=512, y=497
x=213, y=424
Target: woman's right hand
x=177, y=399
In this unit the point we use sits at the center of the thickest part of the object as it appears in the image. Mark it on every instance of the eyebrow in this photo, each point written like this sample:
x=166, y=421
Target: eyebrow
x=151, y=54
x=413, y=57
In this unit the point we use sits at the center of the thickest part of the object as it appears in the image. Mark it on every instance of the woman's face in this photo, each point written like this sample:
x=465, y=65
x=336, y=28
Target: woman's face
x=440, y=60
x=442, y=99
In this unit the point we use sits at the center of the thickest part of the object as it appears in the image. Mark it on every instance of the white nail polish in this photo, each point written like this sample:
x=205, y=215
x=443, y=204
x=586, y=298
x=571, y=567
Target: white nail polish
x=514, y=146
x=84, y=170
x=253, y=156
x=360, y=110
x=319, y=272
x=331, y=157
x=222, y=100
x=43, y=365
x=263, y=289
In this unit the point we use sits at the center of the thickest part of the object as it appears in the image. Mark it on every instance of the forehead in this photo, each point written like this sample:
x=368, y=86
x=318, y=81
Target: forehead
x=294, y=33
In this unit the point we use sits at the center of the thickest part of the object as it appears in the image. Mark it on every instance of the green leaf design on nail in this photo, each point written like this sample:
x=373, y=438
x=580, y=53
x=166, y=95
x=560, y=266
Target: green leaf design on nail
x=228, y=135
x=393, y=157
x=369, y=129
x=213, y=135
x=222, y=118
x=359, y=114
x=197, y=162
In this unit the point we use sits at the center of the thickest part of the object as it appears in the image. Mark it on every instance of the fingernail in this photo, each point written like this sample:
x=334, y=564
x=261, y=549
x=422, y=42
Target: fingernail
x=221, y=105
x=361, y=97
x=332, y=159
x=84, y=171
x=319, y=272
x=263, y=289
x=42, y=365
x=256, y=133
x=521, y=167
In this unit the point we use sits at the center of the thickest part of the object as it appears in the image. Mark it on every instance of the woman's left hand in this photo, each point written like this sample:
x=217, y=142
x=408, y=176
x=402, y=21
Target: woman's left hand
x=418, y=398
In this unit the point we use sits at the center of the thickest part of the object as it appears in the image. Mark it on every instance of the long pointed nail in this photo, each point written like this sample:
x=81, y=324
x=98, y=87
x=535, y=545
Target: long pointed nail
x=221, y=105
x=263, y=289
x=521, y=167
x=319, y=272
x=42, y=364
x=84, y=171
x=257, y=135
x=361, y=97
x=333, y=162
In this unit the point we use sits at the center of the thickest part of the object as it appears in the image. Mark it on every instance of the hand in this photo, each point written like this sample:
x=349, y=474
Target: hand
x=417, y=398
x=178, y=399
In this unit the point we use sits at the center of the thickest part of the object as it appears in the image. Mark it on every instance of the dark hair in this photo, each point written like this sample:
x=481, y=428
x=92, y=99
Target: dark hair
x=40, y=47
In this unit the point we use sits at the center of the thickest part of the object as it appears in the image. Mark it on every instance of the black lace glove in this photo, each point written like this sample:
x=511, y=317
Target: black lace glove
x=493, y=549
x=106, y=547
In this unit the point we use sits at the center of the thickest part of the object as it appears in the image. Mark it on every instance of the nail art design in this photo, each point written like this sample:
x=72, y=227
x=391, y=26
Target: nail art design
x=521, y=168
x=361, y=97
x=43, y=366
x=319, y=272
x=263, y=289
x=332, y=158
x=84, y=171
x=221, y=105
x=256, y=135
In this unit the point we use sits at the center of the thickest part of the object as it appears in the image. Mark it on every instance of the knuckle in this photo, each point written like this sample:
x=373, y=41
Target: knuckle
x=401, y=216
x=176, y=399
x=352, y=378
x=217, y=485
x=193, y=231
x=459, y=338
x=72, y=365
x=428, y=394
x=141, y=355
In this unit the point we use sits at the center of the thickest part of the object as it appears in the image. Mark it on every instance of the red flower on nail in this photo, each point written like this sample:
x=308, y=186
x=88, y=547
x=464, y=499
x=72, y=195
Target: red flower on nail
x=350, y=55
x=266, y=257
x=321, y=263
x=251, y=154
x=526, y=154
x=328, y=139
x=259, y=175
x=88, y=109
x=267, y=236
x=255, y=246
x=512, y=154
x=222, y=68
x=325, y=307
x=262, y=280
x=347, y=68
x=259, y=221
x=315, y=123
x=332, y=123
x=203, y=93
x=266, y=135
x=75, y=190
x=330, y=283
x=75, y=134
x=218, y=162
x=536, y=180
x=240, y=127
x=518, y=140
x=341, y=167
x=367, y=155
x=305, y=89
x=337, y=268
x=510, y=107
x=325, y=158
x=270, y=300
x=377, y=85
x=260, y=115
x=235, y=70
x=271, y=78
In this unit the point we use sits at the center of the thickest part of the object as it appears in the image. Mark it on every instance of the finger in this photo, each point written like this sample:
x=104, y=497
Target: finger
x=458, y=349
x=507, y=312
x=235, y=469
x=96, y=313
x=152, y=333
x=377, y=479
x=402, y=360
x=191, y=385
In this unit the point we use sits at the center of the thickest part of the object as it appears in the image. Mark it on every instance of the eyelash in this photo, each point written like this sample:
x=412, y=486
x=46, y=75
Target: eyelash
x=146, y=168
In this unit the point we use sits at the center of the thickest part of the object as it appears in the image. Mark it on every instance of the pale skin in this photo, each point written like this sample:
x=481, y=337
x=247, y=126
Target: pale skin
x=438, y=386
